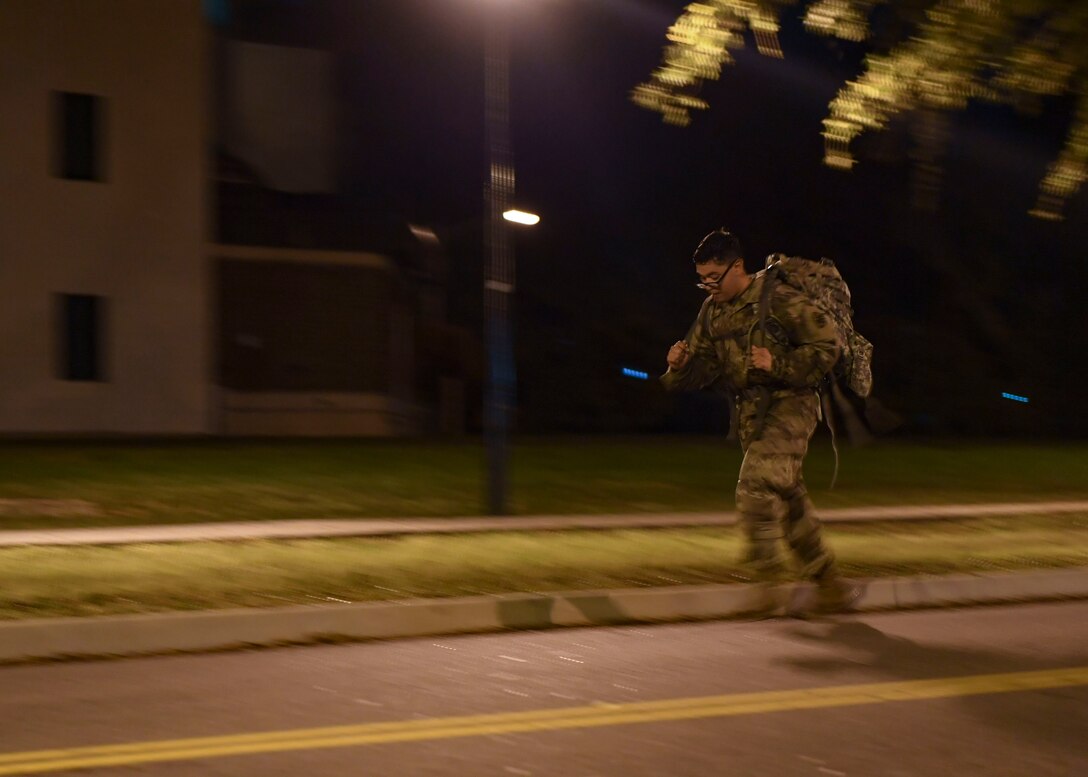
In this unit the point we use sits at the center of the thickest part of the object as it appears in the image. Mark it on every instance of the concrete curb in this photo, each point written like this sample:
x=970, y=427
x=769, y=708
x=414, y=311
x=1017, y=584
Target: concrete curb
x=129, y=635
x=389, y=527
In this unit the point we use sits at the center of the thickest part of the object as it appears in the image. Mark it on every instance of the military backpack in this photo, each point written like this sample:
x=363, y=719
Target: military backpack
x=821, y=282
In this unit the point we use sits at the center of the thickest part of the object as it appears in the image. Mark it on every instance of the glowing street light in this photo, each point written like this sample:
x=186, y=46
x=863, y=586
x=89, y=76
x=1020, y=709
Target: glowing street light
x=521, y=217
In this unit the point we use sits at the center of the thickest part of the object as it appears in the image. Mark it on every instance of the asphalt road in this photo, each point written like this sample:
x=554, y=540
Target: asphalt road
x=989, y=691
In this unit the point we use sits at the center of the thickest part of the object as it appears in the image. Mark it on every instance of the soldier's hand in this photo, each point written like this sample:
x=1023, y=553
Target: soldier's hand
x=762, y=359
x=679, y=355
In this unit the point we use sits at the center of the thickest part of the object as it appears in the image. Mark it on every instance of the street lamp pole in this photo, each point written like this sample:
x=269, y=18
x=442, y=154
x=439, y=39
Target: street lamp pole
x=499, y=394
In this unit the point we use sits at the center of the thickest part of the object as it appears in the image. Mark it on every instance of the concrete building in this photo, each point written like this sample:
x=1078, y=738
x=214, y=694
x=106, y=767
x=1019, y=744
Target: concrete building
x=174, y=257
x=103, y=115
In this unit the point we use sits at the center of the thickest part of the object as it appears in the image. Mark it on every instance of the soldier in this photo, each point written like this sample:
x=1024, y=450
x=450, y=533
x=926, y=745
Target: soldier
x=774, y=384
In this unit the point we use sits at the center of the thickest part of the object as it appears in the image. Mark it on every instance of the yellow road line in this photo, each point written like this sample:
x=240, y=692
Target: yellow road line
x=40, y=761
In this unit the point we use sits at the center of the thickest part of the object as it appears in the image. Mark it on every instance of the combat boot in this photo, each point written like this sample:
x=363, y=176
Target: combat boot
x=835, y=594
x=831, y=594
x=768, y=596
x=766, y=602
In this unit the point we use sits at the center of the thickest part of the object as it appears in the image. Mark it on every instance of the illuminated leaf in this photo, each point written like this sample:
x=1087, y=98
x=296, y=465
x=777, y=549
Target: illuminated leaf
x=957, y=51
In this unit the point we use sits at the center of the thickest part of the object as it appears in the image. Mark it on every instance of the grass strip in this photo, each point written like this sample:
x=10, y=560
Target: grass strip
x=108, y=484
x=81, y=581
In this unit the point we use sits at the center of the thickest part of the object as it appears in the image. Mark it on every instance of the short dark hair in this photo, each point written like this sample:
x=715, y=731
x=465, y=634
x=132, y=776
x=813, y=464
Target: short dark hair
x=718, y=246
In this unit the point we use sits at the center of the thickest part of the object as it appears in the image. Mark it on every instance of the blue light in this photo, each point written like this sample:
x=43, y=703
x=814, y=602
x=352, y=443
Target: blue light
x=1014, y=397
x=637, y=374
x=217, y=12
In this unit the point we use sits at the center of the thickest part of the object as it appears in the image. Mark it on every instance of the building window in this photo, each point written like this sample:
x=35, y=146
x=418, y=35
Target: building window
x=79, y=136
x=80, y=336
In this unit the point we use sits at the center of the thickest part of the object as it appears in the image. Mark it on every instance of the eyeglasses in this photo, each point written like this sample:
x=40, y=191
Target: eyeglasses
x=712, y=284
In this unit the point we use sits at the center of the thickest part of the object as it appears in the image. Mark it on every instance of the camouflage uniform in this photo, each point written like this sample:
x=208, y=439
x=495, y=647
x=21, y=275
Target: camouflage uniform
x=771, y=494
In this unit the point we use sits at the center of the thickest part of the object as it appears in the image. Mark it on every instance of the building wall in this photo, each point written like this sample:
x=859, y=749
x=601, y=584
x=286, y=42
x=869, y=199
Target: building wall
x=276, y=114
x=310, y=342
x=136, y=238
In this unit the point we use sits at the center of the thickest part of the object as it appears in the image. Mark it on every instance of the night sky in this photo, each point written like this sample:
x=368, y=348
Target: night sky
x=962, y=304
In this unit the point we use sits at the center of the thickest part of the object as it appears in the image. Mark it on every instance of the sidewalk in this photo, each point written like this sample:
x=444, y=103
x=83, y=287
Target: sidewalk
x=387, y=527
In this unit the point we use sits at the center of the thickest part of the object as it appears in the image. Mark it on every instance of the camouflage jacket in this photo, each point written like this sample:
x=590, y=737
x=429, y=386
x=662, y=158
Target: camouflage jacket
x=800, y=337
x=803, y=346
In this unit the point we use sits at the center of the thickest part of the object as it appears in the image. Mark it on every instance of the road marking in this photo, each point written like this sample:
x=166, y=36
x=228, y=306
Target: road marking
x=41, y=761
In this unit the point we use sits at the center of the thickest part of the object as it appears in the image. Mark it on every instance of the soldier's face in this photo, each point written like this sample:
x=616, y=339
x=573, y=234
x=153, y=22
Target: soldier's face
x=722, y=281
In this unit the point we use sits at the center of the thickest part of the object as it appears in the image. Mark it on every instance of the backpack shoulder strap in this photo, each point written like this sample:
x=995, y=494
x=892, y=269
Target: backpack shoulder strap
x=763, y=399
x=770, y=278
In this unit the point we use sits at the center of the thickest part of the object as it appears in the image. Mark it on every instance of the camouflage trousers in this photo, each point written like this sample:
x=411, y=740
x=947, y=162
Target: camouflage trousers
x=771, y=495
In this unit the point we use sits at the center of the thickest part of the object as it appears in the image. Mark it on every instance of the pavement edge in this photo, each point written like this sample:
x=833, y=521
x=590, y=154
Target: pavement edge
x=133, y=635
